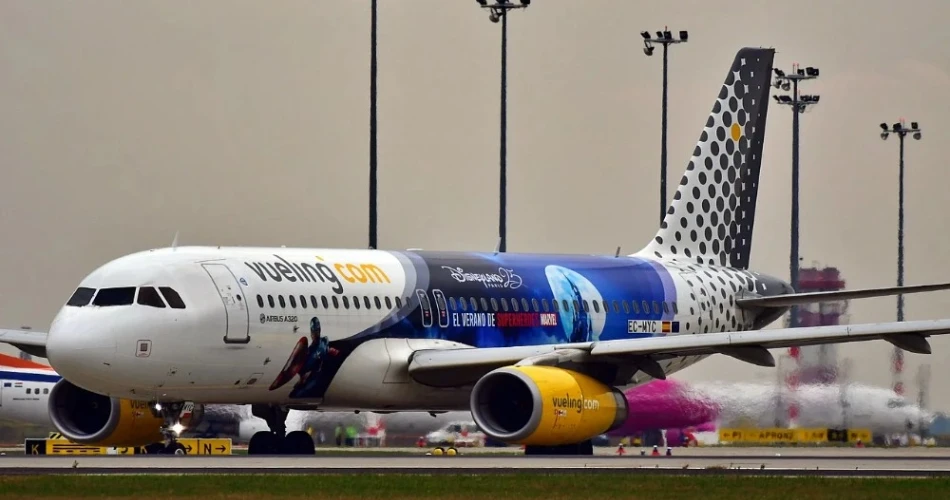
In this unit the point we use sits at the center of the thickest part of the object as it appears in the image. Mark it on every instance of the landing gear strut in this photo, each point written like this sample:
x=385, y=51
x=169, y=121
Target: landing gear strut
x=582, y=448
x=172, y=414
x=277, y=441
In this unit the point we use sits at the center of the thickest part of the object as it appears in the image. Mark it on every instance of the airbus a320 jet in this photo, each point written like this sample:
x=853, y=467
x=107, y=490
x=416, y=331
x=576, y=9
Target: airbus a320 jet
x=538, y=347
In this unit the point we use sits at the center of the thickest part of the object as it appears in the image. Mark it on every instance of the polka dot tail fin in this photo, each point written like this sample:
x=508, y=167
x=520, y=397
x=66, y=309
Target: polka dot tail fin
x=711, y=217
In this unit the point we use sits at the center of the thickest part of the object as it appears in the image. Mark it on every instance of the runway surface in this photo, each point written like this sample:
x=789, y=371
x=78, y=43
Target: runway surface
x=913, y=462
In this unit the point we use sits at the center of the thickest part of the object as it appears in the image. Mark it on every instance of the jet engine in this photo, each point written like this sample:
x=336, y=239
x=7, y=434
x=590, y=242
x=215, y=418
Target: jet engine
x=89, y=418
x=545, y=406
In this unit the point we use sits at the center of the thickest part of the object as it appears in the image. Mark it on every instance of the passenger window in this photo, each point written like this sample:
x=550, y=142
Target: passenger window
x=534, y=305
x=378, y=304
x=398, y=303
x=45, y=391
x=544, y=305
x=596, y=305
x=81, y=297
x=326, y=305
x=567, y=307
x=293, y=301
x=474, y=304
x=270, y=300
x=463, y=304
x=504, y=305
x=524, y=305
x=440, y=301
x=554, y=305
x=586, y=305
x=646, y=307
x=635, y=306
x=616, y=307
x=366, y=302
x=336, y=302
x=148, y=296
x=452, y=303
x=389, y=303
x=115, y=297
x=514, y=305
x=494, y=304
x=666, y=307
x=280, y=299
x=356, y=302
x=27, y=390
x=303, y=301
x=626, y=306
x=576, y=305
x=606, y=307
x=172, y=297
x=346, y=302
x=656, y=307
x=260, y=300
x=675, y=309
x=313, y=301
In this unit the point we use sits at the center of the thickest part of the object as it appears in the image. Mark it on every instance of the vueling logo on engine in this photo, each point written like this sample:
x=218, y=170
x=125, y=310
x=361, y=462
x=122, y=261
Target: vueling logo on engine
x=311, y=272
x=576, y=404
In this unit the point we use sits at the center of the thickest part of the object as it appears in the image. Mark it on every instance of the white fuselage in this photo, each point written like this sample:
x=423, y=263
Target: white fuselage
x=24, y=394
x=248, y=312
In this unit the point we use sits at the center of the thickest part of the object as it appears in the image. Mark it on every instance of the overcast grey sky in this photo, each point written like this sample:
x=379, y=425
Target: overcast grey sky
x=246, y=123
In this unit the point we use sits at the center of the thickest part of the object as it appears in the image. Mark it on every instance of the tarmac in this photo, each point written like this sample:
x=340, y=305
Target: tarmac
x=901, y=462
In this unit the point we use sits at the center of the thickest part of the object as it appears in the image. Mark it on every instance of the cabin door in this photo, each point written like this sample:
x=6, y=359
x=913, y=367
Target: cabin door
x=235, y=307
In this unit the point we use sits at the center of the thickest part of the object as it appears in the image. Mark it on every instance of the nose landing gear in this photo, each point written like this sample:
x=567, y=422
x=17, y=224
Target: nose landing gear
x=277, y=441
x=172, y=414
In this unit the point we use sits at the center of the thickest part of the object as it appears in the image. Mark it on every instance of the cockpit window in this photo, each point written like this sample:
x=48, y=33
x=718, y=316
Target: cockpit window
x=148, y=296
x=122, y=296
x=81, y=297
x=172, y=297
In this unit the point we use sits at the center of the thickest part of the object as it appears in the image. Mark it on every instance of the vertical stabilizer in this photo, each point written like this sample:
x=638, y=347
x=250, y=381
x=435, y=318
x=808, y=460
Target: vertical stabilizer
x=711, y=218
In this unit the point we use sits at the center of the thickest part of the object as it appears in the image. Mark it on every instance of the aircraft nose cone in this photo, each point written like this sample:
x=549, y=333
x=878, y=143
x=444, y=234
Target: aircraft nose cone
x=80, y=349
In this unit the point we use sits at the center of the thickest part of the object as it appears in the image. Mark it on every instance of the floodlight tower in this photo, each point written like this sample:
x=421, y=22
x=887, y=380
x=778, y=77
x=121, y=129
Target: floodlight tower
x=372, y=129
x=901, y=130
x=799, y=104
x=498, y=11
x=664, y=38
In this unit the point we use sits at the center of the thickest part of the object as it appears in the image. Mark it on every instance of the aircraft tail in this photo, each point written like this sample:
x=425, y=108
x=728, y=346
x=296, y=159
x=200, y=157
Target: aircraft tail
x=711, y=217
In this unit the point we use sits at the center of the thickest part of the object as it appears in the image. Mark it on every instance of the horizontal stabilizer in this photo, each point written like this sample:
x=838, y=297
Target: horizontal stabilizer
x=794, y=299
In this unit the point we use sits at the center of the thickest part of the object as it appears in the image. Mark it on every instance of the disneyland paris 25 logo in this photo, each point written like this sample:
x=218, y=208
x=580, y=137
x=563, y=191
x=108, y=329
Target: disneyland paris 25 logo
x=505, y=278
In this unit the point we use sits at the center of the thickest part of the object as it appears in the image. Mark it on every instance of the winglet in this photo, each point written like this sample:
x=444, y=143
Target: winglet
x=498, y=246
x=175, y=241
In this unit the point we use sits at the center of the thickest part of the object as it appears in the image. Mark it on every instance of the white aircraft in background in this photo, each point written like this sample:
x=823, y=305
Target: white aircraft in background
x=537, y=346
x=24, y=390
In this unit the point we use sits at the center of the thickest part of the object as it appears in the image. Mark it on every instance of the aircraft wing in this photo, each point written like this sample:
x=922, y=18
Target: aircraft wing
x=28, y=341
x=442, y=367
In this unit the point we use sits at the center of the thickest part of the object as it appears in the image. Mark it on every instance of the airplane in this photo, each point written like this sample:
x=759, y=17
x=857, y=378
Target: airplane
x=24, y=390
x=671, y=404
x=537, y=346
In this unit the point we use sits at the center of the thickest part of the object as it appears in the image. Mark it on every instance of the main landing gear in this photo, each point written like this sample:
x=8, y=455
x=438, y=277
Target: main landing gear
x=276, y=441
x=582, y=448
x=172, y=414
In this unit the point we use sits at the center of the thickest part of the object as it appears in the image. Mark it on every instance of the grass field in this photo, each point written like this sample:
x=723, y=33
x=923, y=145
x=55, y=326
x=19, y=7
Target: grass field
x=494, y=487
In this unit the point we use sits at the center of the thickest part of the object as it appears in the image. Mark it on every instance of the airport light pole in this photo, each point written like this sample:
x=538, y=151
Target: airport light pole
x=498, y=11
x=373, y=187
x=799, y=104
x=664, y=38
x=901, y=130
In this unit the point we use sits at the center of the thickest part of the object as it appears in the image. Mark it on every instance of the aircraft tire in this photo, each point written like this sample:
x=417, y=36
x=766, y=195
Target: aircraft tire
x=298, y=443
x=263, y=443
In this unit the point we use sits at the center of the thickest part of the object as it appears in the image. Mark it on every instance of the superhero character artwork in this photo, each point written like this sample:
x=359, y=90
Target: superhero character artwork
x=307, y=362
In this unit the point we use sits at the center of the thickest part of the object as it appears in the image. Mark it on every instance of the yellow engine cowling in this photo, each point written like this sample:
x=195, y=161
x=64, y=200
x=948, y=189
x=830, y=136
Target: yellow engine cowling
x=89, y=418
x=545, y=406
